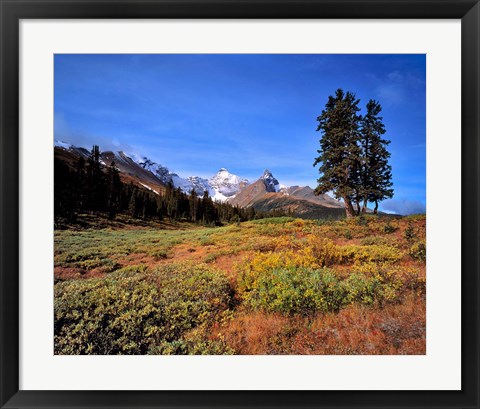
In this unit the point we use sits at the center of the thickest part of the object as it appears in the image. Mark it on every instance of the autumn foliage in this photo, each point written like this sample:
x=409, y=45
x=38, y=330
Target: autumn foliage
x=272, y=286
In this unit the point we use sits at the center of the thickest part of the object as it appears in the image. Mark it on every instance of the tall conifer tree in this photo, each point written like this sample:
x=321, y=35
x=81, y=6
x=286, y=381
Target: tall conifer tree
x=95, y=180
x=376, y=172
x=114, y=190
x=340, y=153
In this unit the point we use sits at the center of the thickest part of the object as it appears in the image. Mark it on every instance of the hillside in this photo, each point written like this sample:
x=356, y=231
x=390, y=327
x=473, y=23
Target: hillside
x=306, y=209
x=266, y=195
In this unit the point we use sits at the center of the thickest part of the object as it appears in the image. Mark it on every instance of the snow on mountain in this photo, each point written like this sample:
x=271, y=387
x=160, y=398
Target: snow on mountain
x=164, y=174
x=201, y=185
x=123, y=158
x=149, y=188
x=61, y=144
x=226, y=185
x=196, y=183
x=71, y=148
x=271, y=183
x=145, y=163
x=222, y=186
x=283, y=189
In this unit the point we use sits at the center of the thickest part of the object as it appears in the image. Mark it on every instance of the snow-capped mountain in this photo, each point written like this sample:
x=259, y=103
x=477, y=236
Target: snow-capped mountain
x=221, y=187
x=226, y=185
x=271, y=183
x=264, y=194
x=196, y=183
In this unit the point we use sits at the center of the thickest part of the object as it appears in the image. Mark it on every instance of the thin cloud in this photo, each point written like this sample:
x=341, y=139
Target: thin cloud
x=403, y=206
x=395, y=87
x=63, y=132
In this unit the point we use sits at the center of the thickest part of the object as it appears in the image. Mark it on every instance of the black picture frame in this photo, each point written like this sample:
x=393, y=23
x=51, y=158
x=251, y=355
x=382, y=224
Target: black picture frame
x=11, y=13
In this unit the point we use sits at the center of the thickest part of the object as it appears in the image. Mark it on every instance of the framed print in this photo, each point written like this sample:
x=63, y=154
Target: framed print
x=239, y=204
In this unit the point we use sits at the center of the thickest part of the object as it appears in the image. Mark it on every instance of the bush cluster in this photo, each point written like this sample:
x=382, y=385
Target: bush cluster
x=409, y=232
x=362, y=254
x=305, y=291
x=418, y=251
x=134, y=311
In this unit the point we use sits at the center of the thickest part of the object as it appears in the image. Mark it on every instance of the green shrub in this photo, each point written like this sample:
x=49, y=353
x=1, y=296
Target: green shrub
x=210, y=258
x=362, y=220
x=307, y=291
x=206, y=241
x=136, y=311
x=274, y=220
x=409, y=233
x=327, y=221
x=294, y=291
x=389, y=228
x=160, y=254
x=418, y=251
x=361, y=289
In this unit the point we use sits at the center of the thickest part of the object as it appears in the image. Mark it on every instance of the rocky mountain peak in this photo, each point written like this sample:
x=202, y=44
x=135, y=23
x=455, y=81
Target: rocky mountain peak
x=226, y=184
x=271, y=184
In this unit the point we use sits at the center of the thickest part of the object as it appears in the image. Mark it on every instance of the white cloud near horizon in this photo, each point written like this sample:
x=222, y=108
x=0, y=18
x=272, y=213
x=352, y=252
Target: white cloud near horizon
x=402, y=206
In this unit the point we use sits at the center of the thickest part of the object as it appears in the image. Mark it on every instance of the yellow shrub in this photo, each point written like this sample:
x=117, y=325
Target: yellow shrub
x=264, y=263
x=365, y=254
x=324, y=250
x=285, y=242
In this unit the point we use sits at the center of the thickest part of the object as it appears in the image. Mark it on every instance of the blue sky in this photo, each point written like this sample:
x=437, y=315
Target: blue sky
x=198, y=113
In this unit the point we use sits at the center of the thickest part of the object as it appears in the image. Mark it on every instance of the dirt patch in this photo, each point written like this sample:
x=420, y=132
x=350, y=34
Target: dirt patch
x=139, y=258
x=228, y=262
x=187, y=251
x=72, y=273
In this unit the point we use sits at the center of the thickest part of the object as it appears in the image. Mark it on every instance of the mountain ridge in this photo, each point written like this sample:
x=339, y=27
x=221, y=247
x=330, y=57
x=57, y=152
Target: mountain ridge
x=266, y=193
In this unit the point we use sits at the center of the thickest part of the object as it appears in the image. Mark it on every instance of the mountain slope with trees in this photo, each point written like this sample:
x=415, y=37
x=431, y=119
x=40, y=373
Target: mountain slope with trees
x=114, y=182
x=91, y=186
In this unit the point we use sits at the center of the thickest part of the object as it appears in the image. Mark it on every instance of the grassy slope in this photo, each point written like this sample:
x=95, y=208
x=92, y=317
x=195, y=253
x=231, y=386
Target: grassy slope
x=368, y=277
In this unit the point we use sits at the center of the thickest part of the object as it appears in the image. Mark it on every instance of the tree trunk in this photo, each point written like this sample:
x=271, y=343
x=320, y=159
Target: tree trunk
x=358, y=208
x=348, y=207
x=364, y=208
x=375, y=210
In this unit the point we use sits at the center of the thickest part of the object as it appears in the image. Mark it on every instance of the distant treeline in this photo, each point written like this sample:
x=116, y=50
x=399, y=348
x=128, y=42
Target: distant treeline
x=91, y=187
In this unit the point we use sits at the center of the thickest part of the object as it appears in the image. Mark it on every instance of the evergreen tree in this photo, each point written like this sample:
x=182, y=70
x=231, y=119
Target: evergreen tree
x=80, y=183
x=114, y=190
x=95, y=180
x=376, y=172
x=340, y=153
x=133, y=203
x=160, y=208
x=193, y=207
x=64, y=197
x=209, y=210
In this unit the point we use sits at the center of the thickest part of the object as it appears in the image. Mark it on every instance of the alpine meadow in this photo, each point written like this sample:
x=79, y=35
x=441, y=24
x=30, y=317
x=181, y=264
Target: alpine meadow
x=241, y=204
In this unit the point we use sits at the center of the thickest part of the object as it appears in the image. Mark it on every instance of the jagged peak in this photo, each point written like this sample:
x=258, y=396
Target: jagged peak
x=267, y=174
x=271, y=183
